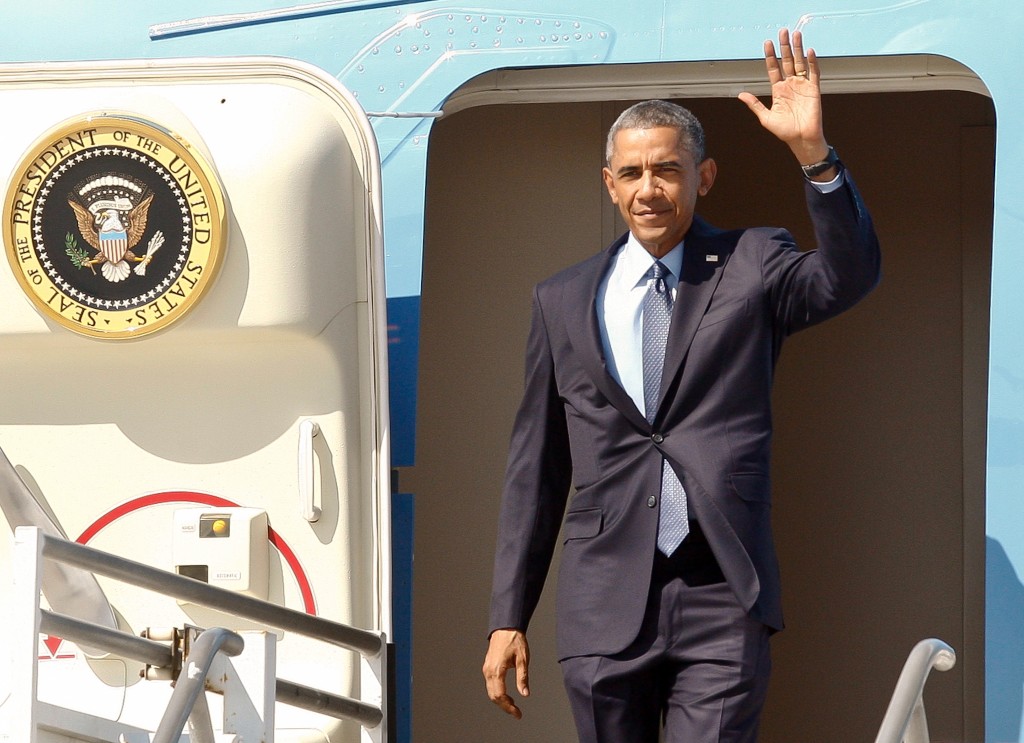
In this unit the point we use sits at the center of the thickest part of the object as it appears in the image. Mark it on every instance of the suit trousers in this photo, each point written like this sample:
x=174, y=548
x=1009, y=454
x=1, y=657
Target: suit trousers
x=699, y=666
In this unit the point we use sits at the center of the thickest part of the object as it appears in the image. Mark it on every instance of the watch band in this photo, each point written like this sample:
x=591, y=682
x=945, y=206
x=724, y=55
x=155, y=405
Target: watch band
x=818, y=168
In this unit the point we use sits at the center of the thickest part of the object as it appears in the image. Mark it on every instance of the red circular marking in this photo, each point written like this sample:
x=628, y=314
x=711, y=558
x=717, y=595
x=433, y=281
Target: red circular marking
x=188, y=496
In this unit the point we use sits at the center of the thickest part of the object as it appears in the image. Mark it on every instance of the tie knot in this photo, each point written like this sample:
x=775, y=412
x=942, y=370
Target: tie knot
x=658, y=272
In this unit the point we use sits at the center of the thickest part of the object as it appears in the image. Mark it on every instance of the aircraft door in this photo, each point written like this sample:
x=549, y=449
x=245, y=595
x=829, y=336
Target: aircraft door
x=192, y=324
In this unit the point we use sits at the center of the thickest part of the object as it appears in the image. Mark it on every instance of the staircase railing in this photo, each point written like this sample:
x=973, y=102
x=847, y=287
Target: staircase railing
x=904, y=720
x=32, y=547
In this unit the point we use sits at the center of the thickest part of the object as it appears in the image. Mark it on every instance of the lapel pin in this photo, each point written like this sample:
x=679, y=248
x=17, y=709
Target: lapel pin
x=711, y=258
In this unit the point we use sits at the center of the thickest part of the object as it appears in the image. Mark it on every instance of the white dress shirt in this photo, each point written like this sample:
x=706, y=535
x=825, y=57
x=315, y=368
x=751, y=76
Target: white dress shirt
x=620, y=300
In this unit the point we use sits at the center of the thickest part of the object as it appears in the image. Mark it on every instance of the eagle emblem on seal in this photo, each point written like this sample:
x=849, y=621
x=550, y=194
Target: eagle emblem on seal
x=112, y=217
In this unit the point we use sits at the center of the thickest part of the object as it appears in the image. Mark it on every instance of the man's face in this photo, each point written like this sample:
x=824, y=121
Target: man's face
x=655, y=183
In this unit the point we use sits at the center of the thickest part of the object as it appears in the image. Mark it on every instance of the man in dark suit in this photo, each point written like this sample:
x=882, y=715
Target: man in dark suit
x=648, y=380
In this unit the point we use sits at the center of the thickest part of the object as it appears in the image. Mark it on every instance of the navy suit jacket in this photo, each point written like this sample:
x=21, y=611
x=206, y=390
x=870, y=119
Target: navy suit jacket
x=740, y=294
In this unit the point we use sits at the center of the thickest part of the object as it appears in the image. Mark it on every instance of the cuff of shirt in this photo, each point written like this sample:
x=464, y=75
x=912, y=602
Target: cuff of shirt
x=830, y=186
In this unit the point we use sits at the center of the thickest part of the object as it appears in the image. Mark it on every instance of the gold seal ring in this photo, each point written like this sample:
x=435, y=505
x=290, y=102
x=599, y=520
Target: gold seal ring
x=801, y=73
x=114, y=226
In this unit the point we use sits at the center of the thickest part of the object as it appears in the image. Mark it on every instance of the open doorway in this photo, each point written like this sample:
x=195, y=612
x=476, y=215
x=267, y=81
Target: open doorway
x=880, y=414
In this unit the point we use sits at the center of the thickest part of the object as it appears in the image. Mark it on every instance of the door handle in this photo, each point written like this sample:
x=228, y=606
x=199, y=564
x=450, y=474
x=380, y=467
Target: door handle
x=308, y=430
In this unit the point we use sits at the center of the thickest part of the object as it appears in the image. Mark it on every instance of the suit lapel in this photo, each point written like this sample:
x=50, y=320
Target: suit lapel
x=704, y=257
x=585, y=336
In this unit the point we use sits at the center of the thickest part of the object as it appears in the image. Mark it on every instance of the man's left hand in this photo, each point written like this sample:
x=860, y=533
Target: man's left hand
x=795, y=112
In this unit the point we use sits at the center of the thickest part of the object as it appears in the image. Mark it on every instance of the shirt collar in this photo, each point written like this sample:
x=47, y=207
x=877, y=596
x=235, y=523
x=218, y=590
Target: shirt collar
x=637, y=261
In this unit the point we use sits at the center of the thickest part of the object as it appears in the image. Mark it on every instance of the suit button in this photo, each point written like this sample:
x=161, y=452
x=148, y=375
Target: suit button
x=657, y=438
x=651, y=501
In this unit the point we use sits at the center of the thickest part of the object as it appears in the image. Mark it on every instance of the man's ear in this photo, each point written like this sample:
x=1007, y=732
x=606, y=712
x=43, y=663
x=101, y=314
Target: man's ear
x=609, y=183
x=707, y=170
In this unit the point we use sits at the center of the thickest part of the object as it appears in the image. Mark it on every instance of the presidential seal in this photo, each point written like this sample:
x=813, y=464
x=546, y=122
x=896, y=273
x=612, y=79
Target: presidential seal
x=114, y=226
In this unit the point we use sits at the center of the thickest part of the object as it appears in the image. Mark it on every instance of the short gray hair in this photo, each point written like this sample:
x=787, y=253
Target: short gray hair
x=653, y=114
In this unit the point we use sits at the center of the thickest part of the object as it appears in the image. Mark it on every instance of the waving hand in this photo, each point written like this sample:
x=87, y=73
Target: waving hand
x=795, y=112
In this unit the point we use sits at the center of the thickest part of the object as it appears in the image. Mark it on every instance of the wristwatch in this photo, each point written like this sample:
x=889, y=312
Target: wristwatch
x=831, y=159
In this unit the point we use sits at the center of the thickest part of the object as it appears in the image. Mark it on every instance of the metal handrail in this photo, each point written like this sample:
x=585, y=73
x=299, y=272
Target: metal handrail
x=123, y=644
x=904, y=720
x=332, y=705
x=160, y=655
x=367, y=643
x=188, y=589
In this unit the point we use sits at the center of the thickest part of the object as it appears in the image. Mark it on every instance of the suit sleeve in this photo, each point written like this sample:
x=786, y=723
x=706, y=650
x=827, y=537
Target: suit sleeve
x=805, y=288
x=536, y=488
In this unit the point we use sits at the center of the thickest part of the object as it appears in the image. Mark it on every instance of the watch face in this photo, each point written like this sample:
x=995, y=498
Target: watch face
x=114, y=226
